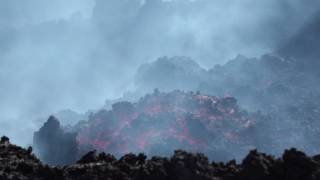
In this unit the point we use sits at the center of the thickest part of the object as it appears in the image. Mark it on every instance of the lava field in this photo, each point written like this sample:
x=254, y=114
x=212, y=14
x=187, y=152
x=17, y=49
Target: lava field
x=157, y=124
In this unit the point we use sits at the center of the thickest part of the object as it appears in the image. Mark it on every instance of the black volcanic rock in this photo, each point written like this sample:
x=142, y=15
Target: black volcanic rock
x=17, y=163
x=53, y=145
x=298, y=165
x=258, y=166
x=4, y=139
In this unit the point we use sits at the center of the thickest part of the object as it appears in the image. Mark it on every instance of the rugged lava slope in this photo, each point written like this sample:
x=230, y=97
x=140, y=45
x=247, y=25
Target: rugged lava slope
x=18, y=163
x=157, y=124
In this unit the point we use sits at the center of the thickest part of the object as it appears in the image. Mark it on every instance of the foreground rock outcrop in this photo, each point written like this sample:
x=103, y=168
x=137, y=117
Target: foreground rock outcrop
x=19, y=163
x=53, y=145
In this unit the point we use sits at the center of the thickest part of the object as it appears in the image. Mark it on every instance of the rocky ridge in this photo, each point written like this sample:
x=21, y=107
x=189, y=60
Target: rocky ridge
x=20, y=163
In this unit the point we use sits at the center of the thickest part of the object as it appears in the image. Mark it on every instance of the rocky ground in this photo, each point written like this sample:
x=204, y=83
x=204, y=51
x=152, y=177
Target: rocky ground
x=19, y=163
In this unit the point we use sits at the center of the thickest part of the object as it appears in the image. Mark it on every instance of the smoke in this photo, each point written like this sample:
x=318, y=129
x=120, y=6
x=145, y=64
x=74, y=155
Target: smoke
x=75, y=54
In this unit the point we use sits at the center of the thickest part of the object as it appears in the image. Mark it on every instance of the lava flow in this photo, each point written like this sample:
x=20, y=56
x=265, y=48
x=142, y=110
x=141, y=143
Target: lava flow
x=160, y=122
